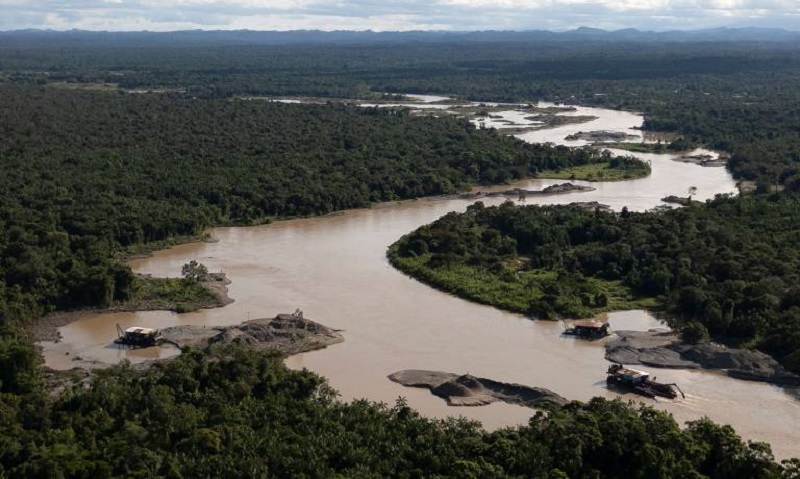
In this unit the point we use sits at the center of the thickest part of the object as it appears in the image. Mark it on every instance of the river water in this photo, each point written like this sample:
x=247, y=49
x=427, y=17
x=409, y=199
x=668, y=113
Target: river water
x=334, y=268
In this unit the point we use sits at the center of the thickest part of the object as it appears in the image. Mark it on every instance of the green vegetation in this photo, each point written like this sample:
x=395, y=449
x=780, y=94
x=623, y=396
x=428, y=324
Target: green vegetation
x=649, y=147
x=173, y=294
x=739, y=97
x=194, y=271
x=616, y=169
x=467, y=256
x=509, y=285
x=238, y=414
x=707, y=265
x=89, y=173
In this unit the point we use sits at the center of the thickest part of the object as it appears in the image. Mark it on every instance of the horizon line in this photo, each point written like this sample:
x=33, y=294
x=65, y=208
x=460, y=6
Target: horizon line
x=317, y=30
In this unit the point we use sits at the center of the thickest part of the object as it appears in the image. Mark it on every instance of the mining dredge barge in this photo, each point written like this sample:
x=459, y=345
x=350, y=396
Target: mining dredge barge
x=640, y=383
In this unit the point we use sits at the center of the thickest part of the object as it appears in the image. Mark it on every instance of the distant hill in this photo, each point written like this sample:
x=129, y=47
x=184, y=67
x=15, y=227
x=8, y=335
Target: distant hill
x=81, y=38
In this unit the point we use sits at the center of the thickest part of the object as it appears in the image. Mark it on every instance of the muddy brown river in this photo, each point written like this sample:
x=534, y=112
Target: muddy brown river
x=334, y=268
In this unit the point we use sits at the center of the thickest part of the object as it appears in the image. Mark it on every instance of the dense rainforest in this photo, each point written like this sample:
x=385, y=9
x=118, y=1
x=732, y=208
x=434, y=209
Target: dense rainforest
x=737, y=96
x=90, y=172
x=238, y=414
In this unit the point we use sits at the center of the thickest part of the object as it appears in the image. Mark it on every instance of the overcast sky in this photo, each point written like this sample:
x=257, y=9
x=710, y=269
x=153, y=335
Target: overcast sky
x=382, y=15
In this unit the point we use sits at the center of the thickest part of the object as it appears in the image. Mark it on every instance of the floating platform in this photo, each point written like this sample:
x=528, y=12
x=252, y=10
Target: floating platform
x=640, y=382
x=587, y=329
x=136, y=336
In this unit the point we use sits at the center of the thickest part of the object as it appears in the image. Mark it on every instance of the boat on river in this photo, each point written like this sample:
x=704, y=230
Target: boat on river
x=640, y=382
x=137, y=336
x=587, y=329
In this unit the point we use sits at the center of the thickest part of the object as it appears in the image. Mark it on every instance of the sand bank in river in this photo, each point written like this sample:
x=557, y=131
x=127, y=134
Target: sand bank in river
x=557, y=189
x=665, y=350
x=467, y=390
x=702, y=160
x=288, y=333
x=602, y=136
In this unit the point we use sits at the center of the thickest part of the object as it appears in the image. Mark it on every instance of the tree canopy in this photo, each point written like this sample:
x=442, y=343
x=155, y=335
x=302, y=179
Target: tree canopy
x=729, y=266
x=92, y=167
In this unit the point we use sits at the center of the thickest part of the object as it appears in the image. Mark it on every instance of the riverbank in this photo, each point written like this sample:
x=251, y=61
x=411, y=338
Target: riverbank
x=215, y=295
x=665, y=350
x=288, y=334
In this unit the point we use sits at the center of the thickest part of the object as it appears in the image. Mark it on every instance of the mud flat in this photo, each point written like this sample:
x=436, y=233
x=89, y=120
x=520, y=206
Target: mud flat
x=535, y=123
x=551, y=120
x=665, y=350
x=467, y=390
x=288, y=333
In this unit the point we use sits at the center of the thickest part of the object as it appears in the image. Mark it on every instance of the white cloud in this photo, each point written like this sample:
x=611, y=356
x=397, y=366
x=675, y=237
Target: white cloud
x=395, y=15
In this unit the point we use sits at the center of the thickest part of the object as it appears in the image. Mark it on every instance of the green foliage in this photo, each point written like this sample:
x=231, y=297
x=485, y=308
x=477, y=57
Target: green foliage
x=694, y=333
x=739, y=97
x=711, y=266
x=615, y=169
x=103, y=172
x=88, y=172
x=20, y=361
x=194, y=271
x=484, y=255
x=176, y=294
x=239, y=413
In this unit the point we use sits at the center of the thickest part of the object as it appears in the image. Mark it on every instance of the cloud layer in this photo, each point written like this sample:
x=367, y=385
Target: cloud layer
x=382, y=15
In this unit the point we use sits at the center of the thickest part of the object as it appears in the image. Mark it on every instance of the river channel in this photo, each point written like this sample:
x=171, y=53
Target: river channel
x=334, y=268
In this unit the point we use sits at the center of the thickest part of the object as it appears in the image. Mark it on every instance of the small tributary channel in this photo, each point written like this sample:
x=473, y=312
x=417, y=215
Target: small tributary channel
x=334, y=268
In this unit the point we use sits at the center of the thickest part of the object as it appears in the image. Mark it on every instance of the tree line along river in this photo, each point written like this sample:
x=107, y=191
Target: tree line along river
x=334, y=268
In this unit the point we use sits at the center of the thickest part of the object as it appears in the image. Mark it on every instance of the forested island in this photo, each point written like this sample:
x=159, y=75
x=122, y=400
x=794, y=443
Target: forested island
x=94, y=168
x=617, y=168
x=710, y=267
